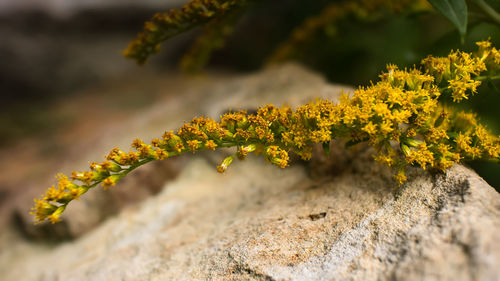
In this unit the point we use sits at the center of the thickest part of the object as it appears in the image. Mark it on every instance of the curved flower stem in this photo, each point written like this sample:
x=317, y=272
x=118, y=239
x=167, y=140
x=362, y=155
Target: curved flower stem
x=483, y=78
x=402, y=108
x=126, y=171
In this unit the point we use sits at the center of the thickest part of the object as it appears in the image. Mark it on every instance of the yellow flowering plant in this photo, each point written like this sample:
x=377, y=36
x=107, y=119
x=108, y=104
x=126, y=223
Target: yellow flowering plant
x=166, y=25
x=399, y=116
x=336, y=12
x=219, y=17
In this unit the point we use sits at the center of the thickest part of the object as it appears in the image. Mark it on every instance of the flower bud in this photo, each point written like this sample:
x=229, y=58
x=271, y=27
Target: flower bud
x=55, y=216
x=175, y=143
x=413, y=142
x=223, y=166
x=230, y=126
x=76, y=192
x=157, y=142
x=161, y=154
x=109, y=166
x=243, y=123
x=406, y=150
x=210, y=144
x=244, y=150
x=110, y=181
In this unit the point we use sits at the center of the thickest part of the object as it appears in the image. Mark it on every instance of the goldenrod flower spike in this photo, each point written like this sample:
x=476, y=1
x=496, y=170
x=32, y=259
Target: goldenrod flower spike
x=328, y=20
x=166, y=25
x=402, y=107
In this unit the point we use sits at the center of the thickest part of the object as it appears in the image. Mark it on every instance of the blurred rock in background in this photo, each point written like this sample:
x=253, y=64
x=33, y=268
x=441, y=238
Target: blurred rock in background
x=52, y=46
x=61, y=8
x=54, y=49
x=65, y=87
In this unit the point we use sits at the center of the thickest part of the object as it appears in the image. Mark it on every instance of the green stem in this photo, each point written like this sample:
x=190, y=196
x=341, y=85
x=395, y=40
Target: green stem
x=482, y=78
x=488, y=10
x=126, y=171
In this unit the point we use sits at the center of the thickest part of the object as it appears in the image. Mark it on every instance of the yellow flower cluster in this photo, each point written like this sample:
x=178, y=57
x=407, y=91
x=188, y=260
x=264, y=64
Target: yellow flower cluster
x=336, y=12
x=166, y=25
x=399, y=116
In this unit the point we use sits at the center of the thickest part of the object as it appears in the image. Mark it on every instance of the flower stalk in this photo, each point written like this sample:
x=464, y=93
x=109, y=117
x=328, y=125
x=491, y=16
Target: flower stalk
x=401, y=108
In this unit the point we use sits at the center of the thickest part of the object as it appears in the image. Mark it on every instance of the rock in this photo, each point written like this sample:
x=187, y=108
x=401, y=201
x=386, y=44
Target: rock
x=282, y=225
x=100, y=204
x=259, y=222
x=200, y=96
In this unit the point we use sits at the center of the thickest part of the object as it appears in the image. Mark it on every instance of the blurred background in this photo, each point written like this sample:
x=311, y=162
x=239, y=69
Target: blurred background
x=63, y=76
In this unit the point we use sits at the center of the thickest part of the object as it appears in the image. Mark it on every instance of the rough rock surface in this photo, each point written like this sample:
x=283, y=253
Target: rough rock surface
x=185, y=98
x=259, y=222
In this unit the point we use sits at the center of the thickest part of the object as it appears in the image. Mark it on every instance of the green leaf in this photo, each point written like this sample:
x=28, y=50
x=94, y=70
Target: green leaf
x=326, y=148
x=492, y=86
x=455, y=11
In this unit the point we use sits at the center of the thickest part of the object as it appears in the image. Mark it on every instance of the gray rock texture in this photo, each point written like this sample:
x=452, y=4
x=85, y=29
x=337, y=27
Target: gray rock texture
x=316, y=221
x=53, y=47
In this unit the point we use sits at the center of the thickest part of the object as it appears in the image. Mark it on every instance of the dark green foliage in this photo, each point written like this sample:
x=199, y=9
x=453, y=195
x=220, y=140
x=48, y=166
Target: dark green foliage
x=455, y=11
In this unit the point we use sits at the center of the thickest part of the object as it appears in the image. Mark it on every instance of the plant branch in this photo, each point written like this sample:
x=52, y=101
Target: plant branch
x=483, y=78
x=488, y=10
